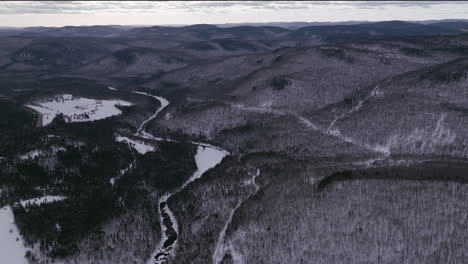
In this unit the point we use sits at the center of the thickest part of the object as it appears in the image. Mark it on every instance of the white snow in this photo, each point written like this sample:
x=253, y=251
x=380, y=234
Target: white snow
x=36, y=153
x=58, y=227
x=31, y=155
x=77, y=109
x=170, y=250
x=163, y=102
x=42, y=200
x=122, y=172
x=206, y=158
x=222, y=246
x=140, y=146
x=112, y=88
x=12, y=249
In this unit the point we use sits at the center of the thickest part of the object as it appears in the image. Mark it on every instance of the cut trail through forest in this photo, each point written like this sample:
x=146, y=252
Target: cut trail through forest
x=222, y=246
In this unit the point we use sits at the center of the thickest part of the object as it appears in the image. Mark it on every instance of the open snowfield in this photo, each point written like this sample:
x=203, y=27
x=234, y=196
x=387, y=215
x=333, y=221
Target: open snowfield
x=140, y=146
x=206, y=158
x=77, y=109
x=12, y=249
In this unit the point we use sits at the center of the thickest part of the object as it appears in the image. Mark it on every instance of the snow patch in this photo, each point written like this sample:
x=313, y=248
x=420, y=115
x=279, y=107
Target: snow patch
x=140, y=146
x=36, y=153
x=122, y=173
x=12, y=249
x=422, y=140
x=31, y=155
x=160, y=256
x=223, y=246
x=42, y=200
x=112, y=88
x=77, y=109
x=206, y=158
x=164, y=103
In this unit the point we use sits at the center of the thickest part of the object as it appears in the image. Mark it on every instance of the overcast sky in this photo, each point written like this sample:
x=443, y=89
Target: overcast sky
x=41, y=13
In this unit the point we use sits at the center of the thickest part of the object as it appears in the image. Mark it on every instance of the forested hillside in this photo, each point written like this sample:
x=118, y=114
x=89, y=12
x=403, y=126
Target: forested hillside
x=236, y=144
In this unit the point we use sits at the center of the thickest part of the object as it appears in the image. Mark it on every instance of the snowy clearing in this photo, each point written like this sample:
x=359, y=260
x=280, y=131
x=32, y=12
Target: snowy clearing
x=206, y=158
x=140, y=146
x=12, y=249
x=77, y=109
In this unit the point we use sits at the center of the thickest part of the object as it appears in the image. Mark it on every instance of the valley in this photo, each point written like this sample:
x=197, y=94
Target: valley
x=239, y=144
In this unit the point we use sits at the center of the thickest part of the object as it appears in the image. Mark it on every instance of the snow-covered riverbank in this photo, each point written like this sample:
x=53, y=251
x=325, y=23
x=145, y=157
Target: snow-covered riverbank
x=207, y=157
x=141, y=129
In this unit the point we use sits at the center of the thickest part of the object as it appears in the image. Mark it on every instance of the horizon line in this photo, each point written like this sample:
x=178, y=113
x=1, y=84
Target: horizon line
x=240, y=23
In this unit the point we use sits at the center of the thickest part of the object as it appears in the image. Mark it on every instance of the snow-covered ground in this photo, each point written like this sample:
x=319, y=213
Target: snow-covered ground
x=77, y=109
x=122, y=172
x=223, y=246
x=140, y=146
x=163, y=251
x=12, y=248
x=163, y=102
x=206, y=158
x=31, y=154
x=36, y=153
x=42, y=200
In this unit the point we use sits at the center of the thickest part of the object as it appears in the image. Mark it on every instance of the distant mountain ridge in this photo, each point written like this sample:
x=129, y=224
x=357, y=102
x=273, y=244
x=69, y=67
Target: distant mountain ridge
x=289, y=30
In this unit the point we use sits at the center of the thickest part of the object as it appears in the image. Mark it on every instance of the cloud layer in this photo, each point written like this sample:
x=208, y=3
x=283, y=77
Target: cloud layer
x=45, y=13
x=80, y=7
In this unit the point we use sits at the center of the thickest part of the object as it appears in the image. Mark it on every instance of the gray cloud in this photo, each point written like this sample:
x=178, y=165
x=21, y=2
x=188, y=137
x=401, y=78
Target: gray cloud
x=80, y=7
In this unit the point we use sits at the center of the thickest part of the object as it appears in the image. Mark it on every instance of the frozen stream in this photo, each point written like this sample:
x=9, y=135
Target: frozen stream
x=207, y=157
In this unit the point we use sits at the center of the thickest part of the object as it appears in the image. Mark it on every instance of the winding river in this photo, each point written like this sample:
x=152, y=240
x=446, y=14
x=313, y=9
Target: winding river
x=207, y=157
